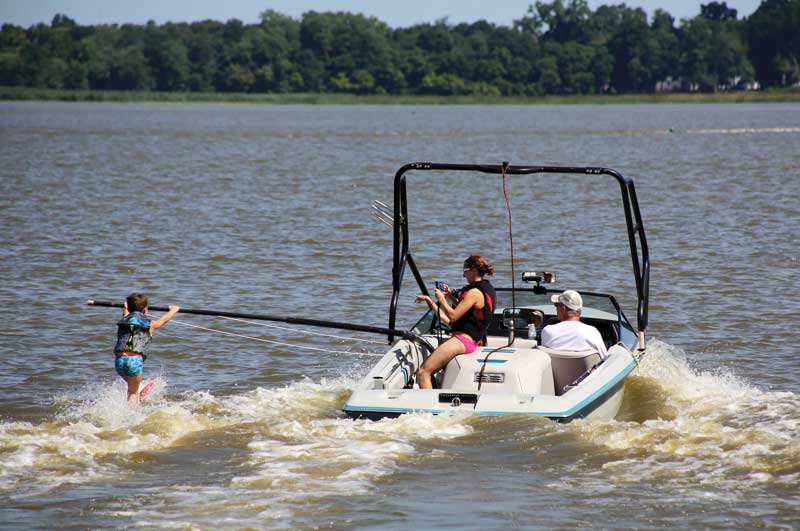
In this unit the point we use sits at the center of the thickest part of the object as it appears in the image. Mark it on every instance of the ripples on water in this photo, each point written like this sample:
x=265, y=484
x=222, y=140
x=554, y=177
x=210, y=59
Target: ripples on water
x=267, y=210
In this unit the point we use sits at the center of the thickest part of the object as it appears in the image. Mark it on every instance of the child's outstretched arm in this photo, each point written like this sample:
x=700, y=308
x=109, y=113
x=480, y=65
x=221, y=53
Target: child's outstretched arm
x=161, y=321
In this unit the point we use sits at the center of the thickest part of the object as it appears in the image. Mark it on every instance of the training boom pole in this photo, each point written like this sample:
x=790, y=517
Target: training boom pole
x=259, y=317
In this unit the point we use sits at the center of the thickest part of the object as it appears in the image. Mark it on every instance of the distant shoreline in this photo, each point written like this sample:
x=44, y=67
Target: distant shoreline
x=110, y=96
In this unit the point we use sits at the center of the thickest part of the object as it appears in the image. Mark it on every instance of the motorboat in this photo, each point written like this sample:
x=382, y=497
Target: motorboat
x=512, y=373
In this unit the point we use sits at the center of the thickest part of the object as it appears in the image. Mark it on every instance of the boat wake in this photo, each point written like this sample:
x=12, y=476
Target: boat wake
x=268, y=450
x=744, y=130
x=704, y=433
x=297, y=443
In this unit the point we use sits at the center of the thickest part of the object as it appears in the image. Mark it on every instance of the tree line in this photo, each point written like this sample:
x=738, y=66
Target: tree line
x=557, y=47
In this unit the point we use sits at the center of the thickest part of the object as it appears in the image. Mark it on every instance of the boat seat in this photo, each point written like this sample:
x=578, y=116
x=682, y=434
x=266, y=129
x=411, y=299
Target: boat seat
x=514, y=370
x=494, y=342
x=568, y=365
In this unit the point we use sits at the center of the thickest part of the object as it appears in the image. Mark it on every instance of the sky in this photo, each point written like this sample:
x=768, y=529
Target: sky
x=395, y=13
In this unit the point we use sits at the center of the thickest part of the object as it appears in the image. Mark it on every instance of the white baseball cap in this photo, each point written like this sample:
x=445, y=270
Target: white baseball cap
x=569, y=298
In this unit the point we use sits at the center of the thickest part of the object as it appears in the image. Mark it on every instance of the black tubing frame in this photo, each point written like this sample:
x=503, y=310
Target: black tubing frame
x=633, y=220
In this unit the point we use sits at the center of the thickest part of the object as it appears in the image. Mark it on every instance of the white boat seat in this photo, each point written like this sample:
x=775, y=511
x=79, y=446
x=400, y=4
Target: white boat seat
x=495, y=341
x=523, y=370
x=568, y=365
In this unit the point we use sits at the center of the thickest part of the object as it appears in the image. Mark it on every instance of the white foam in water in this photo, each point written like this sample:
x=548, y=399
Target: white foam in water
x=302, y=447
x=668, y=366
x=741, y=130
x=302, y=441
x=725, y=433
x=310, y=447
x=722, y=434
x=95, y=421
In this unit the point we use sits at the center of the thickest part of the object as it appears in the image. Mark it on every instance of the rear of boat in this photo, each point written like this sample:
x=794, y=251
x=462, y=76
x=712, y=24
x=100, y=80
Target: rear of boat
x=501, y=378
x=514, y=380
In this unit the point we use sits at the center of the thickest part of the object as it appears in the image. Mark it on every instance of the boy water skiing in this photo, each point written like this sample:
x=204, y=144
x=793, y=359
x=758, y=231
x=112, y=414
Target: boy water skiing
x=134, y=334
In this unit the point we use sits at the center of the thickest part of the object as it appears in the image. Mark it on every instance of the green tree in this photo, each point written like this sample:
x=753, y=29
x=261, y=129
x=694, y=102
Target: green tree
x=312, y=70
x=565, y=21
x=774, y=39
x=239, y=78
x=642, y=54
x=714, y=52
x=129, y=69
x=167, y=58
x=665, y=46
x=556, y=47
x=549, y=81
x=276, y=51
x=203, y=41
x=354, y=45
x=12, y=39
x=696, y=53
x=717, y=11
x=341, y=83
x=443, y=85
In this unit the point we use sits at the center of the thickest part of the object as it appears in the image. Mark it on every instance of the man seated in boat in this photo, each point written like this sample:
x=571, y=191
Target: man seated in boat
x=468, y=320
x=570, y=333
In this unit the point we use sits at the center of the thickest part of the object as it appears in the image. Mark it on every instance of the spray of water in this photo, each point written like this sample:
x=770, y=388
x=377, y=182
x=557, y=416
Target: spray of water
x=693, y=432
x=699, y=430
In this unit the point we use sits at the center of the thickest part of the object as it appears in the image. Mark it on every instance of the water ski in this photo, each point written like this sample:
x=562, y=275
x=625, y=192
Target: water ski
x=146, y=389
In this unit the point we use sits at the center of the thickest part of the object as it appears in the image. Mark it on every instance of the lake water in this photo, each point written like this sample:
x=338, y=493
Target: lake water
x=266, y=209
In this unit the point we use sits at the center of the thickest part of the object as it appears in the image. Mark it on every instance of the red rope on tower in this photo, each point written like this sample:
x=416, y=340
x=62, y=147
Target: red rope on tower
x=503, y=169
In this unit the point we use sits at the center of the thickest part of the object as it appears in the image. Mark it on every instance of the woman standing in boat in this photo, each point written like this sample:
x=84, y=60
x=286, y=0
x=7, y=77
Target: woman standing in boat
x=468, y=320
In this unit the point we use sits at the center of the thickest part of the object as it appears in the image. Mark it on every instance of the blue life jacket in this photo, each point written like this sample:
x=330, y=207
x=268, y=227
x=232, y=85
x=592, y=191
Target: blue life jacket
x=133, y=334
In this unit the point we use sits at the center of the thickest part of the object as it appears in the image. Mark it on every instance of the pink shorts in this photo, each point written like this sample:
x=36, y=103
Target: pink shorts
x=467, y=341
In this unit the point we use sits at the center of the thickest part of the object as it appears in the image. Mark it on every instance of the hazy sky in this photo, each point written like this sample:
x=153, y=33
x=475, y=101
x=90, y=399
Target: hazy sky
x=395, y=13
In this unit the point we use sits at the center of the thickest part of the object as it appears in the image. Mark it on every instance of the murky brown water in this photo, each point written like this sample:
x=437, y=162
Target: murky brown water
x=267, y=209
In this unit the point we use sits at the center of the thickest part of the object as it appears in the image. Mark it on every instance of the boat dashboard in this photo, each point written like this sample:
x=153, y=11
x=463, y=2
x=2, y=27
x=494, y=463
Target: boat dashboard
x=606, y=325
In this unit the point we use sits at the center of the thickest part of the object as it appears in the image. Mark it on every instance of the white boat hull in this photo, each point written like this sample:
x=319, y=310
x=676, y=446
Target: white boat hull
x=516, y=380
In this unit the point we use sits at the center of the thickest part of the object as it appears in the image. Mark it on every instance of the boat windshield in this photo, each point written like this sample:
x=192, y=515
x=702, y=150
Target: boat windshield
x=529, y=298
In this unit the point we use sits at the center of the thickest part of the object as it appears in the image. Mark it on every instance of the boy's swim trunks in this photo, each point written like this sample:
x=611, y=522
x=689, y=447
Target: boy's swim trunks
x=129, y=365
